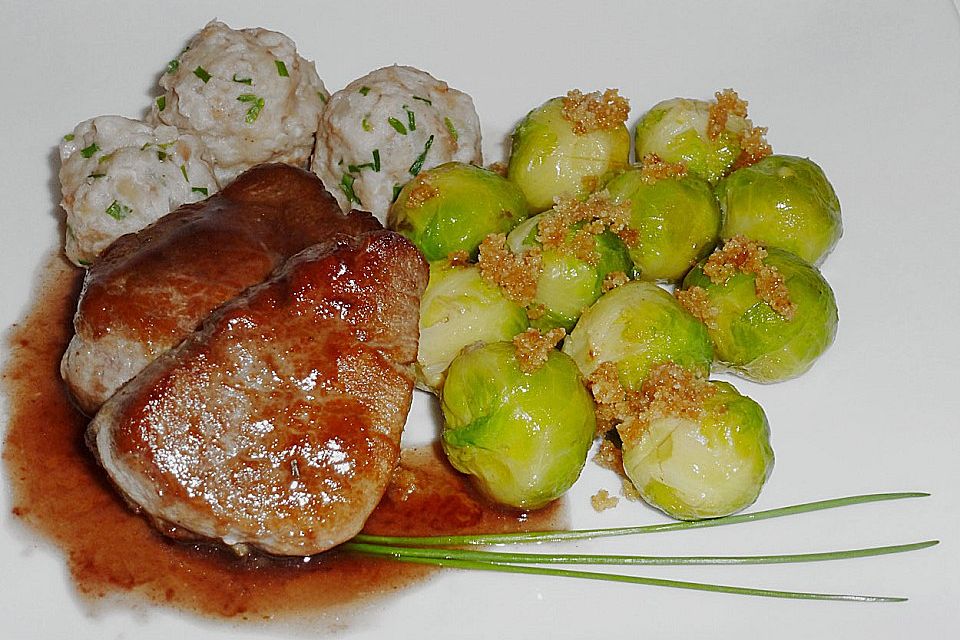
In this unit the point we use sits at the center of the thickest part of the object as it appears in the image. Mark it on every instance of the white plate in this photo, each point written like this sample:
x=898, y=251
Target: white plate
x=869, y=90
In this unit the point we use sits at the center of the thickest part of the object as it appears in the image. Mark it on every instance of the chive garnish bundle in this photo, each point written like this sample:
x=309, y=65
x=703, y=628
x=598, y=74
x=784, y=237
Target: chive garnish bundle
x=435, y=550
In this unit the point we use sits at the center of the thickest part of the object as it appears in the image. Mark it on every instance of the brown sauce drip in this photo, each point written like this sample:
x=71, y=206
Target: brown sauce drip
x=59, y=490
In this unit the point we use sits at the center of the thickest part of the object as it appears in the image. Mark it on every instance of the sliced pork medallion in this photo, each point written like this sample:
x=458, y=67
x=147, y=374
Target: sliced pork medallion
x=277, y=424
x=149, y=290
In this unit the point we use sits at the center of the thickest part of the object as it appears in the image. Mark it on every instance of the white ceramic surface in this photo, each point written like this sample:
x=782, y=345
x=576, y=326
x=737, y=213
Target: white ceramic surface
x=870, y=90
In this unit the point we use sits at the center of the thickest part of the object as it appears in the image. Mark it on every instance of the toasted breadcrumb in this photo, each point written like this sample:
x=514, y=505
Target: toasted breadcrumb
x=516, y=275
x=595, y=111
x=532, y=348
x=613, y=280
x=536, y=311
x=727, y=104
x=459, y=258
x=753, y=147
x=499, y=168
x=746, y=256
x=402, y=485
x=697, y=302
x=602, y=500
x=669, y=390
x=609, y=456
x=628, y=490
x=653, y=168
x=608, y=394
x=597, y=214
x=421, y=193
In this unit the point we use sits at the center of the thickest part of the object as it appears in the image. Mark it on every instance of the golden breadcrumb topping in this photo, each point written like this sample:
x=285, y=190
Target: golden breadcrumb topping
x=613, y=280
x=516, y=275
x=727, y=104
x=532, y=348
x=499, y=168
x=596, y=214
x=753, y=147
x=668, y=391
x=595, y=111
x=609, y=396
x=653, y=168
x=536, y=311
x=746, y=256
x=609, y=456
x=420, y=193
x=602, y=500
x=628, y=490
x=697, y=302
x=459, y=258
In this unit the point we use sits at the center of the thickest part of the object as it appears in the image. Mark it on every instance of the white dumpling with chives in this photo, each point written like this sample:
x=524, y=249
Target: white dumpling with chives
x=119, y=175
x=248, y=95
x=383, y=129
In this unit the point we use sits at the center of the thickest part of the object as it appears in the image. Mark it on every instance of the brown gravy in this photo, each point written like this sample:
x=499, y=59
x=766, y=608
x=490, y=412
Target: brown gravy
x=59, y=491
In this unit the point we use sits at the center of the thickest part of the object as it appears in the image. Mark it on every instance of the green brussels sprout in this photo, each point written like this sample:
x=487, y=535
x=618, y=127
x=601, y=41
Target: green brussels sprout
x=458, y=309
x=636, y=326
x=567, y=285
x=503, y=426
x=755, y=341
x=453, y=207
x=676, y=131
x=785, y=202
x=677, y=219
x=703, y=467
x=550, y=159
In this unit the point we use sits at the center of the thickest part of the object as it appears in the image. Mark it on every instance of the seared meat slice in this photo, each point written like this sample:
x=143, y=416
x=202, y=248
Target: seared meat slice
x=277, y=424
x=151, y=289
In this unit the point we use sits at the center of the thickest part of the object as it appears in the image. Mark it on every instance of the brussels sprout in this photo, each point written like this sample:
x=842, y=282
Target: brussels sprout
x=568, y=284
x=453, y=207
x=784, y=202
x=458, y=309
x=552, y=156
x=505, y=428
x=676, y=131
x=702, y=467
x=677, y=219
x=636, y=326
x=751, y=337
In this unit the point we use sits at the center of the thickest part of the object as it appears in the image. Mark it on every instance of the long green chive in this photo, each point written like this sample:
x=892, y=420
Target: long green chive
x=376, y=160
x=282, y=69
x=242, y=80
x=396, y=192
x=397, y=125
x=654, y=582
x=586, y=534
x=626, y=560
x=183, y=170
x=201, y=73
x=118, y=211
x=161, y=103
x=255, y=108
x=87, y=152
x=418, y=163
x=451, y=129
x=411, y=118
x=346, y=185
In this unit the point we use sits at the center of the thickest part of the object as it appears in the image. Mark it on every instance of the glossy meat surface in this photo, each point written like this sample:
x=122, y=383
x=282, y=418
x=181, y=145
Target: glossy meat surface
x=277, y=424
x=149, y=290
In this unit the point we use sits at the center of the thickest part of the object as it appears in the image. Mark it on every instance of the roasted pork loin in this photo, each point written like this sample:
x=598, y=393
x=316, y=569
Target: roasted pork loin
x=149, y=290
x=276, y=424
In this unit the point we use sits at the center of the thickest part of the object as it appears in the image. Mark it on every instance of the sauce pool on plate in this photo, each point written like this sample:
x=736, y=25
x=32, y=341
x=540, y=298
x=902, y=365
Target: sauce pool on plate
x=59, y=491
